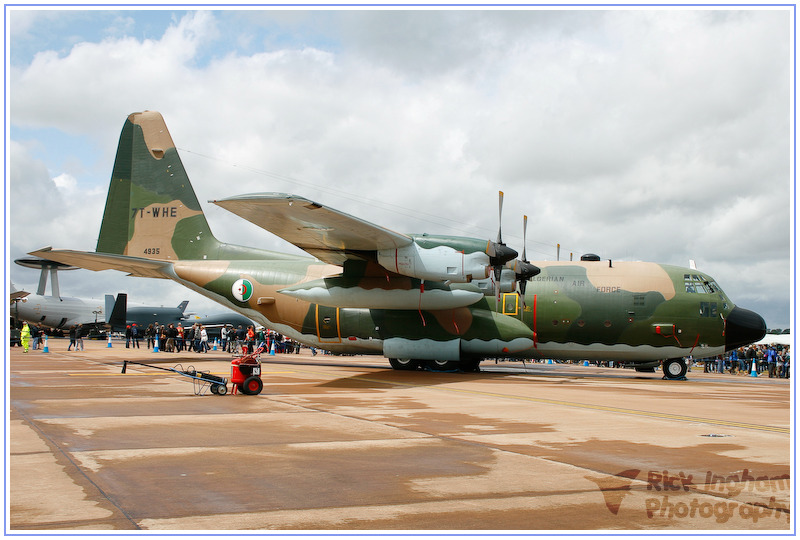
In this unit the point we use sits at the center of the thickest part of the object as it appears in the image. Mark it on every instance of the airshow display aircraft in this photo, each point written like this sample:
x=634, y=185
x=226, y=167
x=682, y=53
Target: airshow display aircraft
x=54, y=311
x=63, y=312
x=421, y=300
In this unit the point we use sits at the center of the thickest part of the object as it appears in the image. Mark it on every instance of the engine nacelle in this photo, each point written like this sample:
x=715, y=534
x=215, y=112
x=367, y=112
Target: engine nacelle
x=507, y=283
x=438, y=263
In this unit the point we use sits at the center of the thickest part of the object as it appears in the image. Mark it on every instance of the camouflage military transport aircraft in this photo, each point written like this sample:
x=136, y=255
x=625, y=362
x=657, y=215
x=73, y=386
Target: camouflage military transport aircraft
x=443, y=302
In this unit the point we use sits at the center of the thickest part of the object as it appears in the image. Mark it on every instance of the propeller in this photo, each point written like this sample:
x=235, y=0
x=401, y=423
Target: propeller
x=499, y=253
x=523, y=269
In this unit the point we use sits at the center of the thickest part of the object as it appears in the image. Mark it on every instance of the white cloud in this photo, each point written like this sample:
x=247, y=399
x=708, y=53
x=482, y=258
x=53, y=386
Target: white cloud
x=66, y=183
x=49, y=210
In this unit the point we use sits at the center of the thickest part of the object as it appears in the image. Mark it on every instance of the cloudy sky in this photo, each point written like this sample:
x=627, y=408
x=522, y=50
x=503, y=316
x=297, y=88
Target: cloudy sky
x=649, y=134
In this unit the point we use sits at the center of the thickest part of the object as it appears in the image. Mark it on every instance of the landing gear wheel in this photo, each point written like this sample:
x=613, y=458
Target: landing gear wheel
x=675, y=368
x=405, y=364
x=252, y=386
x=444, y=365
x=471, y=366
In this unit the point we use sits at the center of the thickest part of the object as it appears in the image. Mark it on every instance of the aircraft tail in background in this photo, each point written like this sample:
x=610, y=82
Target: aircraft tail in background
x=116, y=311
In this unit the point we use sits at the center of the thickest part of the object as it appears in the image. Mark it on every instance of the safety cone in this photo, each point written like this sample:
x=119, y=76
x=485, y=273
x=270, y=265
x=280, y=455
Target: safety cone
x=272, y=349
x=109, y=341
x=46, y=349
x=215, y=345
x=155, y=345
x=753, y=371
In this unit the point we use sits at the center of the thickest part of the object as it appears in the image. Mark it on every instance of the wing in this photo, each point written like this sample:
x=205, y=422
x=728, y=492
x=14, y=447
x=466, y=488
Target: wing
x=15, y=294
x=135, y=266
x=325, y=233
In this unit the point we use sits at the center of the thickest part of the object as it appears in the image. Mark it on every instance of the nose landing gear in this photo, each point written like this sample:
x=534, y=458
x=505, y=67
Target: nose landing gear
x=675, y=369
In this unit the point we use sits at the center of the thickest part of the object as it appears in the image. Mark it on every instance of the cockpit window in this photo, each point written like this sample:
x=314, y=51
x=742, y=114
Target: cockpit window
x=696, y=283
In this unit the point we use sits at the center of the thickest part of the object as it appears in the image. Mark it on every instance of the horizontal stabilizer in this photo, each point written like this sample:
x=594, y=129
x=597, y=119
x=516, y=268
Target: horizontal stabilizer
x=17, y=294
x=134, y=266
x=323, y=232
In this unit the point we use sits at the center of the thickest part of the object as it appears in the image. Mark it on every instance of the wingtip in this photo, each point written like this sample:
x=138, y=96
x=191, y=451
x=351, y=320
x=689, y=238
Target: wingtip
x=39, y=251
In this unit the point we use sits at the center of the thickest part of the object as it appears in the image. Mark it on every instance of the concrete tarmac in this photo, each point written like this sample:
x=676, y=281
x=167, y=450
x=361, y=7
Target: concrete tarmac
x=347, y=444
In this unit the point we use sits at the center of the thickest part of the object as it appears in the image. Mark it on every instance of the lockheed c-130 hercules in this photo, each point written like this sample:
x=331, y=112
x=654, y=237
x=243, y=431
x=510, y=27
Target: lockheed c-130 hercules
x=447, y=302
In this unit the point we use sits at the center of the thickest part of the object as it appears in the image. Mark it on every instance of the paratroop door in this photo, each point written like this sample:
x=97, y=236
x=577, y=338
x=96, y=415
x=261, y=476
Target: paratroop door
x=328, y=324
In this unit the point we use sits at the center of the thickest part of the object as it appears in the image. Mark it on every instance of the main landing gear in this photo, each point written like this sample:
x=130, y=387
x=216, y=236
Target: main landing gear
x=675, y=369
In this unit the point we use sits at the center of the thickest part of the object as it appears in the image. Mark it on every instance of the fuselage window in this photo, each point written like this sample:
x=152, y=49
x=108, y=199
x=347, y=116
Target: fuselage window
x=510, y=304
x=708, y=309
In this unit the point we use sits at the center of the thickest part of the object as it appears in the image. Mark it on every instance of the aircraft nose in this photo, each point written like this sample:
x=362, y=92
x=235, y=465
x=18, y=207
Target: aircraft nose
x=743, y=327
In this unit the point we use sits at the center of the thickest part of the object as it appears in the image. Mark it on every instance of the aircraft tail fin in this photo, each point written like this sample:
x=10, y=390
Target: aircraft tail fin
x=118, y=313
x=109, y=307
x=151, y=210
x=182, y=306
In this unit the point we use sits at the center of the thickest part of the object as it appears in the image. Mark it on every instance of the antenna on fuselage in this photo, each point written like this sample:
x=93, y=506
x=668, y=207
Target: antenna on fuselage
x=46, y=267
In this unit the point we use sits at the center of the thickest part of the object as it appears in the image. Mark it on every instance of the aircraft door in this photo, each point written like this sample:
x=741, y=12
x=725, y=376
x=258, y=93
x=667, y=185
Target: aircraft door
x=328, y=324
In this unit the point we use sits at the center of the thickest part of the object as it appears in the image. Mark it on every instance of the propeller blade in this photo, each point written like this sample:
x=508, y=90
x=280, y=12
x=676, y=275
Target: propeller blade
x=524, y=238
x=523, y=269
x=500, y=221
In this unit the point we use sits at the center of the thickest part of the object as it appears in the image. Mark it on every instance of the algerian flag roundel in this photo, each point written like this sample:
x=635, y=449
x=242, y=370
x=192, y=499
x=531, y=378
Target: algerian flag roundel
x=242, y=290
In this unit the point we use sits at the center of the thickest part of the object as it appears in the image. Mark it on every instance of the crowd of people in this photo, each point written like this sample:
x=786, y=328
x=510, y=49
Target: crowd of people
x=175, y=338
x=773, y=359
x=195, y=338
x=32, y=336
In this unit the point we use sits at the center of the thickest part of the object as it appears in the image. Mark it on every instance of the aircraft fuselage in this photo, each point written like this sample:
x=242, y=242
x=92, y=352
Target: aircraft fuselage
x=620, y=310
x=55, y=312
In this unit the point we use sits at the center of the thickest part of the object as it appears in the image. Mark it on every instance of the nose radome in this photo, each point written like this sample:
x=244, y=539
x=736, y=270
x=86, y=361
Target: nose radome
x=743, y=327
